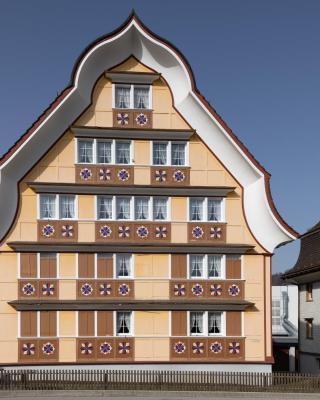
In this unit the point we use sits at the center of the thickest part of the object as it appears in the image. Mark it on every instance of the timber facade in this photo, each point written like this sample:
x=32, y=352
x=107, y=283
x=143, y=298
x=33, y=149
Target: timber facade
x=131, y=241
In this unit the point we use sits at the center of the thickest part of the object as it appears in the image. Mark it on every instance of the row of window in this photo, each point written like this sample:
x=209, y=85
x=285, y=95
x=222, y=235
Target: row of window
x=200, y=323
x=132, y=96
x=54, y=206
x=96, y=151
x=199, y=266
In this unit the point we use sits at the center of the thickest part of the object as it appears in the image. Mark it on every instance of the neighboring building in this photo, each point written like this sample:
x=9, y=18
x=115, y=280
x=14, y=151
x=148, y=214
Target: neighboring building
x=306, y=274
x=136, y=228
x=284, y=324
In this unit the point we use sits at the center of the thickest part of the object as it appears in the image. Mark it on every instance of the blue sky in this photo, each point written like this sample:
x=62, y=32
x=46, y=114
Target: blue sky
x=257, y=62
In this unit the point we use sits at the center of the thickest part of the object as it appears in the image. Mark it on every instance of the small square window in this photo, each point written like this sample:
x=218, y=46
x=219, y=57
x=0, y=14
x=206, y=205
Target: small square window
x=85, y=151
x=122, y=96
x=123, y=266
x=141, y=208
x=123, y=207
x=124, y=324
x=160, y=208
x=104, y=207
x=48, y=206
x=141, y=96
x=178, y=154
x=214, y=210
x=196, y=209
x=123, y=152
x=159, y=153
x=214, y=323
x=196, y=323
x=196, y=266
x=104, y=153
x=215, y=266
x=67, y=207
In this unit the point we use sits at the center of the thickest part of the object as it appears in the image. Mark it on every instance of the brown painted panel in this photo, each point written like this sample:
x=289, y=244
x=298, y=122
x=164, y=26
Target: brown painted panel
x=28, y=324
x=170, y=176
x=104, y=266
x=179, y=266
x=28, y=350
x=205, y=232
x=105, y=231
x=122, y=118
x=106, y=349
x=142, y=119
x=85, y=173
x=86, y=323
x=124, y=175
x=48, y=323
x=28, y=289
x=160, y=232
x=49, y=289
x=48, y=265
x=86, y=289
x=124, y=349
x=61, y=230
x=105, y=323
x=28, y=265
x=233, y=267
x=86, y=349
x=179, y=323
x=179, y=348
x=48, y=350
x=124, y=289
x=233, y=323
x=86, y=265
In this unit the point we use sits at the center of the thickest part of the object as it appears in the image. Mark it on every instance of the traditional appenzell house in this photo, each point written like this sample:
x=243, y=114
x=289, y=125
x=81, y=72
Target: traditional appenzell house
x=136, y=228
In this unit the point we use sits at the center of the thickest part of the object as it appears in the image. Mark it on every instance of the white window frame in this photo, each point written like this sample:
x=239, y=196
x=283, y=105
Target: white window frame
x=115, y=333
x=205, y=209
x=57, y=207
x=112, y=208
x=206, y=267
x=130, y=151
x=77, y=150
x=150, y=208
x=206, y=325
x=115, y=260
x=168, y=201
x=131, y=96
x=169, y=145
x=96, y=159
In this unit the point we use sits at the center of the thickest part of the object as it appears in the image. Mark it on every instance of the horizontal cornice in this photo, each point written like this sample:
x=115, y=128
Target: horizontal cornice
x=132, y=77
x=47, y=187
x=125, y=248
x=158, y=305
x=120, y=133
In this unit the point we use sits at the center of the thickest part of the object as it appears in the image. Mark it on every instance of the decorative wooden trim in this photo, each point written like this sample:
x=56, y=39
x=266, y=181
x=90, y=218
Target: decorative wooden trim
x=210, y=232
x=105, y=349
x=196, y=289
x=104, y=174
x=121, y=304
x=124, y=118
x=147, y=248
x=146, y=78
x=170, y=176
x=134, y=133
x=196, y=349
x=38, y=289
x=105, y=289
x=111, y=189
x=49, y=230
x=33, y=350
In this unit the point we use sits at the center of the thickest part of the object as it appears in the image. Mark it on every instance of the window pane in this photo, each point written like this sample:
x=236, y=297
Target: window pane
x=141, y=207
x=160, y=153
x=47, y=206
x=214, y=266
x=67, y=207
x=122, y=97
x=141, y=97
x=123, y=152
x=85, y=151
x=160, y=207
x=178, y=156
x=123, y=207
x=196, y=209
x=104, y=152
x=214, y=323
x=123, y=322
x=214, y=210
x=123, y=265
x=196, y=266
x=196, y=323
x=104, y=207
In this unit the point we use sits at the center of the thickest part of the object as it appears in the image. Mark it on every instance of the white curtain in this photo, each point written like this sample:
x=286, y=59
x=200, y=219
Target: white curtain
x=123, y=208
x=214, y=210
x=160, y=153
x=105, y=207
x=85, y=151
x=196, y=322
x=104, y=152
x=141, y=97
x=47, y=206
x=196, y=210
x=214, y=266
x=122, y=97
x=178, y=153
x=67, y=207
x=122, y=152
x=196, y=263
x=141, y=207
x=123, y=322
x=123, y=265
x=159, y=209
x=214, y=322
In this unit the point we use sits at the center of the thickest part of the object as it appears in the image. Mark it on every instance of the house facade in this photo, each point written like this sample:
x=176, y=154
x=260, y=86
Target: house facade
x=306, y=275
x=136, y=227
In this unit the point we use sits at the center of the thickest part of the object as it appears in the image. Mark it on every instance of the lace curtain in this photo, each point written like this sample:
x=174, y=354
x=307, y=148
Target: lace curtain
x=85, y=151
x=123, y=265
x=214, y=210
x=196, y=264
x=105, y=207
x=47, y=206
x=142, y=208
x=214, y=266
x=196, y=322
x=123, y=322
x=160, y=209
x=122, y=152
x=122, y=97
x=196, y=210
x=160, y=153
x=67, y=207
x=178, y=153
x=104, y=152
x=141, y=97
x=214, y=323
x=123, y=208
